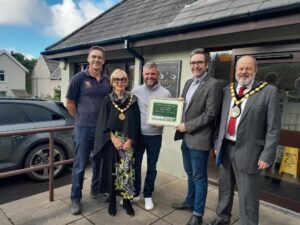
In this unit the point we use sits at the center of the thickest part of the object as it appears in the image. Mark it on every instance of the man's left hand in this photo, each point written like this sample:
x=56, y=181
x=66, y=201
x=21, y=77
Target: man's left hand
x=262, y=165
x=181, y=127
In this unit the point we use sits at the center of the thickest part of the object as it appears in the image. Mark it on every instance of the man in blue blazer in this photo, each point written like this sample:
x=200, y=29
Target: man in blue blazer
x=247, y=141
x=202, y=95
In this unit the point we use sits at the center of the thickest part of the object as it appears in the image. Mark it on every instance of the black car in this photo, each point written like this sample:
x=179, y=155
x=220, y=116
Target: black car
x=20, y=151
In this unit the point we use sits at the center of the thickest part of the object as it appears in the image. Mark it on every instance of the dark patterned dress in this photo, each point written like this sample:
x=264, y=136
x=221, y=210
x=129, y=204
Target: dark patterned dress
x=124, y=172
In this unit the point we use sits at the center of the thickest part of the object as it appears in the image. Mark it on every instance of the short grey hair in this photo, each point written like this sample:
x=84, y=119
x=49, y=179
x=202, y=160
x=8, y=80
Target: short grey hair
x=149, y=65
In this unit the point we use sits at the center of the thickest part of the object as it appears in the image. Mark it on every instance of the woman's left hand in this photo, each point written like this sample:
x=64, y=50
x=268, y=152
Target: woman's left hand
x=127, y=144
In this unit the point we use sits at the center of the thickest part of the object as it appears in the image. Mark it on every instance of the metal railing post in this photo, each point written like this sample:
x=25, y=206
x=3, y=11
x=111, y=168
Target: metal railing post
x=51, y=166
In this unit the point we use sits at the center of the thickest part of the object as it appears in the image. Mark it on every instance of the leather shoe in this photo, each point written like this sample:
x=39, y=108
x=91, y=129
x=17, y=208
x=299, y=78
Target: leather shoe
x=216, y=222
x=182, y=206
x=195, y=220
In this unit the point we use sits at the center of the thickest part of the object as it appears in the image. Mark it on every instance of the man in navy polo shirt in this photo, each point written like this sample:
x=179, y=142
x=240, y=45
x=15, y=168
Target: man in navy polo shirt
x=83, y=101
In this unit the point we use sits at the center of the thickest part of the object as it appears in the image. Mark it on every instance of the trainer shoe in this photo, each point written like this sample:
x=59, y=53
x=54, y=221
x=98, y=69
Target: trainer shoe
x=135, y=199
x=75, y=208
x=148, y=203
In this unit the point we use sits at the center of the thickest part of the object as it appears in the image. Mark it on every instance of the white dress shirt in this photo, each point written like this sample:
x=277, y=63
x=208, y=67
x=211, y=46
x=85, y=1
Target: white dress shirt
x=242, y=106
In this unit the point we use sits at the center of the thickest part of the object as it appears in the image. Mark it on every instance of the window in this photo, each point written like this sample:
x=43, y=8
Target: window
x=2, y=93
x=39, y=114
x=2, y=75
x=219, y=66
x=11, y=114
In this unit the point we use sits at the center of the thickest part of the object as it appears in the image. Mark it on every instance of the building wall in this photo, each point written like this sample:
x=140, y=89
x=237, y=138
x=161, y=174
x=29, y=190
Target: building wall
x=14, y=75
x=42, y=86
x=66, y=74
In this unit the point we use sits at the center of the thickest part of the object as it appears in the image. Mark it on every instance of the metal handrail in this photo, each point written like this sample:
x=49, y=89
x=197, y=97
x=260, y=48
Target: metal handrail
x=50, y=164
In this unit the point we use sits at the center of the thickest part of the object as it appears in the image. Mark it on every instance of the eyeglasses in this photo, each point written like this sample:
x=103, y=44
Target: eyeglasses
x=198, y=63
x=119, y=80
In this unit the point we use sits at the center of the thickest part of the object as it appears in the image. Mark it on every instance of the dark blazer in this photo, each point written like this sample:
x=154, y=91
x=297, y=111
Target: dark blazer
x=201, y=114
x=258, y=130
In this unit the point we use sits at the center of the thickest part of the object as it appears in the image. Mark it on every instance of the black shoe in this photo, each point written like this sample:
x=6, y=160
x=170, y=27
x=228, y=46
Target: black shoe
x=182, y=206
x=127, y=205
x=216, y=222
x=195, y=220
x=112, y=209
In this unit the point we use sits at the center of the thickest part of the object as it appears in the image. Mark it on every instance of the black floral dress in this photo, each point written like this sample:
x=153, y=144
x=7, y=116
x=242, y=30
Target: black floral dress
x=124, y=172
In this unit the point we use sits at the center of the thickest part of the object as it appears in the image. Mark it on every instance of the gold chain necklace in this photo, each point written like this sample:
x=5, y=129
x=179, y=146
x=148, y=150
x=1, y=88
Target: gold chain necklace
x=122, y=115
x=235, y=111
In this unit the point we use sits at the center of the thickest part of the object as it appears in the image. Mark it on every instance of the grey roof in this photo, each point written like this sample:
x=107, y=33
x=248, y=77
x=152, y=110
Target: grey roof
x=53, y=66
x=138, y=18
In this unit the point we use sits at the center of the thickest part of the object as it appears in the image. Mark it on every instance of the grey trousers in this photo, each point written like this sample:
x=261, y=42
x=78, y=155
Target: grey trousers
x=248, y=190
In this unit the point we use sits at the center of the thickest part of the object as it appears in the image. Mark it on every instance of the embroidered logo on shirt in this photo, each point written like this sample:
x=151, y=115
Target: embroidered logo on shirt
x=87, y=84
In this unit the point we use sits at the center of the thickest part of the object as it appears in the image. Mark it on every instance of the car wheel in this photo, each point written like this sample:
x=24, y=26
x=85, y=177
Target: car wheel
x=38, y=156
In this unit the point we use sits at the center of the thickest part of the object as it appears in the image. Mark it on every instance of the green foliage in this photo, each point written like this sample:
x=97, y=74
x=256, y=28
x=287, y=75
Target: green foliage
x=28, y=64
x=57, y=93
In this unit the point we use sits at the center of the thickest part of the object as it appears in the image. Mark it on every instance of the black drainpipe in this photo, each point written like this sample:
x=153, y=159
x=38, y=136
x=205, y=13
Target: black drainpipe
x=135, y=55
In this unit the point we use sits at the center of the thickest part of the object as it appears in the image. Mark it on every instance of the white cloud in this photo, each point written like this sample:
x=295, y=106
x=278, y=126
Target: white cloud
x=29, y=56
x=23, y=12
x=71, y=14
x=58, y=20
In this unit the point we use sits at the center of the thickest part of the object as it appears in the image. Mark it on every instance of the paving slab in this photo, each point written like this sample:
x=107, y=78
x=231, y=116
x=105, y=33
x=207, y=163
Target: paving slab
x=162, y=205
x=213, y=198
x=4, y=220
x=161, y=222
x=89, y=206
x=47, y=214
x=269, y=216
x=178, y=217
x=141, y=217
x=82, y=221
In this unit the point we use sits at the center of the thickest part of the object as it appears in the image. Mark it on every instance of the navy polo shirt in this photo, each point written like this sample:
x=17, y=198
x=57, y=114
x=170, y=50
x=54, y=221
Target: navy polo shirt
x=88, y=95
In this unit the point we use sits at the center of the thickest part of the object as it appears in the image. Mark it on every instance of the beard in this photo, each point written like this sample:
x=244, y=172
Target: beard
x=244, y=81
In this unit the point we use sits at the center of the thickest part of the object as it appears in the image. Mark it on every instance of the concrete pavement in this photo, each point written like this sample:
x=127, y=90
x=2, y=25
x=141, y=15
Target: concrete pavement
x=37, y=210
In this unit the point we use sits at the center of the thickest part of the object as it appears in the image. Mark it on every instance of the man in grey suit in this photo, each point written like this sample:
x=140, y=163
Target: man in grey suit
x=247, y=141
x=202, y=95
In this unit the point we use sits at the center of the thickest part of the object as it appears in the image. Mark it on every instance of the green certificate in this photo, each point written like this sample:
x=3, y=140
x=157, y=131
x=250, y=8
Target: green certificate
x=164, y=111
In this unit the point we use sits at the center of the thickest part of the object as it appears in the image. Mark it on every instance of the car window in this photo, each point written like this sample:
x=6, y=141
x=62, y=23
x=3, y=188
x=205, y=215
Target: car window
x=39, y=113
x=11, y=114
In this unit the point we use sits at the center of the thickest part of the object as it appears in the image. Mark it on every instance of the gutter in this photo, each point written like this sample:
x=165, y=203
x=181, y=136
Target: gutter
x=127, y=46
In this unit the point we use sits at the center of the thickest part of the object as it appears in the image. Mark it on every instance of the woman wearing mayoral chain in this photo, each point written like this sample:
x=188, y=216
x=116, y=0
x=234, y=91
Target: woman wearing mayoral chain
x=117, y=132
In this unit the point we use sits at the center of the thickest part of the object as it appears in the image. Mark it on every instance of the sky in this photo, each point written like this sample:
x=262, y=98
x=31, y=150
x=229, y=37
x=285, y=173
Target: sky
x=29, y=26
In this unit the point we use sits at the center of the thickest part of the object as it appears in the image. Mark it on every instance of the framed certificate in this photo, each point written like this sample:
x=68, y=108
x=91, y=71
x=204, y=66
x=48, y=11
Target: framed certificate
x=164, y=111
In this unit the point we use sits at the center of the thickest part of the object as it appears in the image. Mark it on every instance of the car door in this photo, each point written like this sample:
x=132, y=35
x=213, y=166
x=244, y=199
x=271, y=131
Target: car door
x=11, y=119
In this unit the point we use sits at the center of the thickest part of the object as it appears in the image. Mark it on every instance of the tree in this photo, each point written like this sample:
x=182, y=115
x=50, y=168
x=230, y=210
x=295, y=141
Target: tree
x=28, y=64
